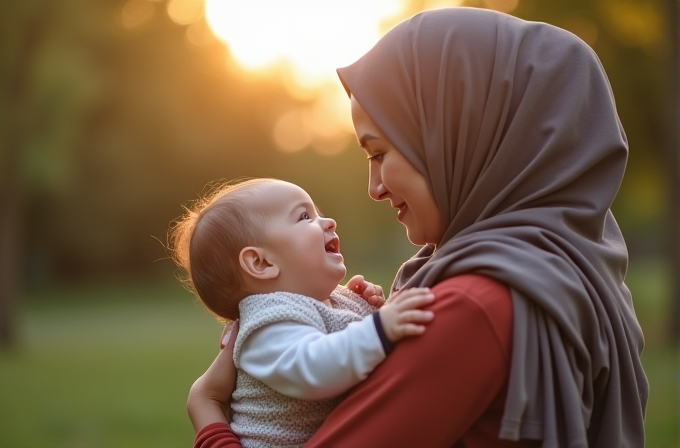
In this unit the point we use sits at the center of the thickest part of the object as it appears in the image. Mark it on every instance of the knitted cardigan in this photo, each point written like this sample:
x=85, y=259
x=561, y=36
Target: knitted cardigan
x=263, y=417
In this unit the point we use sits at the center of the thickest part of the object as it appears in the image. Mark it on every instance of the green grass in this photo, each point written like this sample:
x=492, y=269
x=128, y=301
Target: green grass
x=95, y=372
x=649, y=283
x=101, y=367
x=662, y=365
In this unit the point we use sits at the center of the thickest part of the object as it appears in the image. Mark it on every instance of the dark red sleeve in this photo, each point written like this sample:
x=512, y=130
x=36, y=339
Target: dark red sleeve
x=216, y=435
x=439, y=388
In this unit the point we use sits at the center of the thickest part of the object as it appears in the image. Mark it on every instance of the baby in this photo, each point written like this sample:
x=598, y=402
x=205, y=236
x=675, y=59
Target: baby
x=259, y=251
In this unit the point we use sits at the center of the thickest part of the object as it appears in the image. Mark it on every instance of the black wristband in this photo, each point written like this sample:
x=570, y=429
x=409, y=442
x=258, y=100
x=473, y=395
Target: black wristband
x=386, y=343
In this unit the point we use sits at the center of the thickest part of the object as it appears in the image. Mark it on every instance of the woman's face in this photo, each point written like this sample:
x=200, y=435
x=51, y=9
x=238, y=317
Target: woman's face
x=393, y=178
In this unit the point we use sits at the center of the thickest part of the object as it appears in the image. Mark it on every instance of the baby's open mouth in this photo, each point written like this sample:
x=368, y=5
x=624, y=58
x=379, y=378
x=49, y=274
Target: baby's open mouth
x=333, y=246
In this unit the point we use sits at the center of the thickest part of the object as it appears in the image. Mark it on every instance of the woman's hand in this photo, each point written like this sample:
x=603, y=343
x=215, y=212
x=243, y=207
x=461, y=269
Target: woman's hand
x=209, y=399
x=401, y=316
x=373, y=294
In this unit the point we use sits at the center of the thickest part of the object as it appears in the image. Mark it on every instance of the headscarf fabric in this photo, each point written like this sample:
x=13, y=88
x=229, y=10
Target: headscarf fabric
x=514, y=125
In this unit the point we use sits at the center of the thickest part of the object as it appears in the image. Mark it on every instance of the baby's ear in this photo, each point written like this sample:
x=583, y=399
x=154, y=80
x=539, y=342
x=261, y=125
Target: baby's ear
x=254, y=262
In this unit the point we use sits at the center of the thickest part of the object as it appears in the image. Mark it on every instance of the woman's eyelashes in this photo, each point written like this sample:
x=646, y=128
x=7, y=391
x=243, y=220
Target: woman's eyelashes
x=377, y=156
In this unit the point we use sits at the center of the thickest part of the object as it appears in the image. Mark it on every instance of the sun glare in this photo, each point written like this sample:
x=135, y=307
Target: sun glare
x=302, y=42
x=315, y=36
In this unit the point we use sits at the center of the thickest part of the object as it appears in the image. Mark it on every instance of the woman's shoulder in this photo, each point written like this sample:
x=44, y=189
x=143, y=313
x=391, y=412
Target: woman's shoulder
x=483, y=293
x=473, y=286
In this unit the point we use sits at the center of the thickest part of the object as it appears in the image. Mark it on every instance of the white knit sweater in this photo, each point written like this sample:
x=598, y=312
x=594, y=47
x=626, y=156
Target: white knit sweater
x=265, y=417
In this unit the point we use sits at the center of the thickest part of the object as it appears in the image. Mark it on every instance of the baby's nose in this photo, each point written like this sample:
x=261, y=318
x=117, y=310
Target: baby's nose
x=329, y=224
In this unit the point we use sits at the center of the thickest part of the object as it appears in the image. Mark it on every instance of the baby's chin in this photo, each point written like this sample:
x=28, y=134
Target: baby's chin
x=344, y=274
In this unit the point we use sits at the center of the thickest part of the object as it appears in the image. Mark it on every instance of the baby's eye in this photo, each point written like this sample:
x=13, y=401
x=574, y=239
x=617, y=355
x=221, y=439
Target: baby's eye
x=304, y=216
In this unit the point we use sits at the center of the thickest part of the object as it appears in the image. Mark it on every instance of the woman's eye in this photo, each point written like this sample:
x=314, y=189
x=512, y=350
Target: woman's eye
x=377, y=156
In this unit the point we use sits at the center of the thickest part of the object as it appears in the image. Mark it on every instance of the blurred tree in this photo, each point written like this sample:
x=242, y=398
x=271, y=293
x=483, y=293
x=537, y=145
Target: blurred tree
x=673, y=159
x=42, y=99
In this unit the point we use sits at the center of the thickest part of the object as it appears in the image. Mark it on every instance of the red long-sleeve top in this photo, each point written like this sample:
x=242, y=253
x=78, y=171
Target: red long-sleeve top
x=444, y=388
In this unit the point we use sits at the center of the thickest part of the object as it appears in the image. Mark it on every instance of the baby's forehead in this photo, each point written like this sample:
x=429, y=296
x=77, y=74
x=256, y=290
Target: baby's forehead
x=275, y=195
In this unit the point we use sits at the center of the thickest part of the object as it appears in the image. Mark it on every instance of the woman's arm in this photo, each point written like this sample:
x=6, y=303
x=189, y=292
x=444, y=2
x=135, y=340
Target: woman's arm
x=432, y=390
x=210, y=395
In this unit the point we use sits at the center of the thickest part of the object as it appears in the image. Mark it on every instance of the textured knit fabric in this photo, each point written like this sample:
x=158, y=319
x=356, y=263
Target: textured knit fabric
x=262, y=416
x=514, y=125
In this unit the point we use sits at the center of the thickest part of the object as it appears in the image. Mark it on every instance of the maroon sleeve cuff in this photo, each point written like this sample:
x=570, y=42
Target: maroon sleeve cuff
x=217, y=435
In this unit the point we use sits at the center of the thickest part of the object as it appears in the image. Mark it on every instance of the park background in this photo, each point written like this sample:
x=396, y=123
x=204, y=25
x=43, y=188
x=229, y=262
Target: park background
x=113, y=113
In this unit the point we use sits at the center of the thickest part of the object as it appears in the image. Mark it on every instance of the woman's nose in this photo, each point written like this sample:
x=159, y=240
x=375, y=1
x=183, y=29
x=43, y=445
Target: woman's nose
x=376, y=189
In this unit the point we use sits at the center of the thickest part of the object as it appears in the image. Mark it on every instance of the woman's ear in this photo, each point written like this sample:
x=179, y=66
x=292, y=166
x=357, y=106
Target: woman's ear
x=254, y=262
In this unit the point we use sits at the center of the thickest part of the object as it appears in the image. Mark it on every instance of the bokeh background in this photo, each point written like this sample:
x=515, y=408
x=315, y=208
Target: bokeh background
x=113, y=113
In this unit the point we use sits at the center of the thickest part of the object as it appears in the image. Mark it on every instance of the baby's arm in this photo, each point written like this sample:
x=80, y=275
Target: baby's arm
x=301, y=362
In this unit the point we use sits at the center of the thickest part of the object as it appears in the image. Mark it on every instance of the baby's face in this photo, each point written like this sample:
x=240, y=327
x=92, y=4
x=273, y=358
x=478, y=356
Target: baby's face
x=301, y=243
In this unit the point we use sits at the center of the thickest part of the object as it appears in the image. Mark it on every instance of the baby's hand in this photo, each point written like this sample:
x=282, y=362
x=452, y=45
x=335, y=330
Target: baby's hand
x=371, y=293
x=401, y=316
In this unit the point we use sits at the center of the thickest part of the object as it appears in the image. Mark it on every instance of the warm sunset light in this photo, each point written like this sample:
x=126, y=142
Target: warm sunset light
x=315, y=36
x=302, y=42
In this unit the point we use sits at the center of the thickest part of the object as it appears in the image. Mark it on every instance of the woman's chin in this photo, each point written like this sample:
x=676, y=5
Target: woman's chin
x=415, y=239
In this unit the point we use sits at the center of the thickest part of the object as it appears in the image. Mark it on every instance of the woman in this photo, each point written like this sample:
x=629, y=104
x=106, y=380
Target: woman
x=499, y=143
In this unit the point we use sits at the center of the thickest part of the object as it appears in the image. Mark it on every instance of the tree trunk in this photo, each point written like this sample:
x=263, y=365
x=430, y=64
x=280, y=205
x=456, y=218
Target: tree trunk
x=10, y=262
x=22, y=29
x=673, y=159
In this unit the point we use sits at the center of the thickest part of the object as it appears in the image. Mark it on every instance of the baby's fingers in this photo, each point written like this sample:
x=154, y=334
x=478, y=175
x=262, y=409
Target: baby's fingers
x=414, y=301
x=409, y=329
x=415, y=316
x=357, y=284
x=406, y=294
x=376, y=301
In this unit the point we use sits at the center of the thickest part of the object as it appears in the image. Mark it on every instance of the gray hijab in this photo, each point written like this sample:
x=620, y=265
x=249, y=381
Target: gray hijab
x=515, y=126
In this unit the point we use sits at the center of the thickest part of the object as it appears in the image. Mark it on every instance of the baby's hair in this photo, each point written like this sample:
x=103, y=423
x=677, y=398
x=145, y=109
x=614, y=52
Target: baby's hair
x=206, y=241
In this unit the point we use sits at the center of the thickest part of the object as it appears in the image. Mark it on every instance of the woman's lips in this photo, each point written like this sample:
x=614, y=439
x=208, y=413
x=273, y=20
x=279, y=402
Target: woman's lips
x=401, y=211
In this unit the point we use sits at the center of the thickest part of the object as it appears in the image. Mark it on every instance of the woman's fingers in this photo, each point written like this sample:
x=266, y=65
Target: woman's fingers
x=229, y=334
